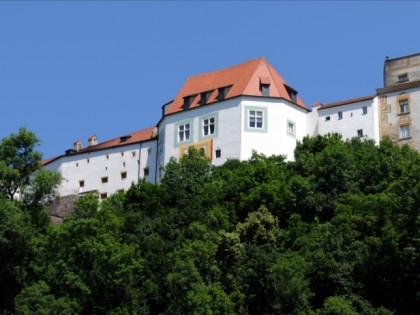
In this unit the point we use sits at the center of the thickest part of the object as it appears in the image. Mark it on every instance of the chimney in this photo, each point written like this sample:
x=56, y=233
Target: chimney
x=77, y=145
x=92, y=141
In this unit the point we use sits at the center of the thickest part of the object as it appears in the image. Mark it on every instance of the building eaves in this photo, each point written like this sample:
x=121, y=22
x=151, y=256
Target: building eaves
x=346, y=102
x=398, y=87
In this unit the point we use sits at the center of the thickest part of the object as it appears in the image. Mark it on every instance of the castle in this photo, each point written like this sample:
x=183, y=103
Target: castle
x=229, y=113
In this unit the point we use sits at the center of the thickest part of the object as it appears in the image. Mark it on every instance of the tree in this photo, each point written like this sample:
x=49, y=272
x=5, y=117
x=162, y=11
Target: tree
x=18, y=161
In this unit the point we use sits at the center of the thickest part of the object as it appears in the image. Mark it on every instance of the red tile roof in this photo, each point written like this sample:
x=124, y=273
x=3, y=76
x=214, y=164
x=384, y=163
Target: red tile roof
x=346, y=102
x=135, y=137
x=244, y=79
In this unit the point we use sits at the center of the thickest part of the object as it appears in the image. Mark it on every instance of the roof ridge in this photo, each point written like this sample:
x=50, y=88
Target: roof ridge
x=228, y=68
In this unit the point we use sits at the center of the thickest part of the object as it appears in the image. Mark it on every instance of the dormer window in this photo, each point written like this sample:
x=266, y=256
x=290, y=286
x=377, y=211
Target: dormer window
x=292, y=93
x=222, y=92
x=125, y=138
x=188, y=100
x=265, y=86
x=204, y=97
x=265, y=89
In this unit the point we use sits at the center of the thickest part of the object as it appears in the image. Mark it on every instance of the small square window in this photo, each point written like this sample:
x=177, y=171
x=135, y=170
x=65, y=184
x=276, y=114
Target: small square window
x=123, y=175
x=218, y=153
x=104, y=195
x=403, y=78
x=146, y=171
x=364, y=110
x=81, y=183
x=104, y=179
x=360, y=133
x=404, y=132
x=327, y=118
x=340, y=115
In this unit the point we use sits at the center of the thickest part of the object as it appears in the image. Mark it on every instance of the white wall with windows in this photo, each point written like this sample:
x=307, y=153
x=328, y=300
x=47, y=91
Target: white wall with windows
x=359, y=119
x=218, y=123
x=271, y=126
x=107, y=171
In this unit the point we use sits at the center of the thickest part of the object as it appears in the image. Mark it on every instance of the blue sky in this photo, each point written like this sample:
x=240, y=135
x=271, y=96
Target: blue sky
x=69, y=70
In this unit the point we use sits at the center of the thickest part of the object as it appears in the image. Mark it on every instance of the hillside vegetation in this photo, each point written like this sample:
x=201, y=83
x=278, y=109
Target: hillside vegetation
x=335, y=232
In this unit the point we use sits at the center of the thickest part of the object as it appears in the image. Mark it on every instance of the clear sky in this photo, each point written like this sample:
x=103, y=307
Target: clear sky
x=71, y=69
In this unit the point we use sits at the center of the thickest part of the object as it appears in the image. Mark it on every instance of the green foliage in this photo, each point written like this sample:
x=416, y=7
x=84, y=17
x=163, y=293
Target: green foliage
x=335, y=232
x=18, y=161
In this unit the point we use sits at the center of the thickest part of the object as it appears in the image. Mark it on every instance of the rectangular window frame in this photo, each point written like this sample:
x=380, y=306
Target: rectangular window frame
x=202, y=120
x=408, y=105
x=340, y=115
x=104, y=179
x=123, y=175
x=177, y=126
x=360, y=133
x=408, y=132
x=291, y=128
x=402, y=78
x=82, y=183
x=146, y=171
x=248, y=118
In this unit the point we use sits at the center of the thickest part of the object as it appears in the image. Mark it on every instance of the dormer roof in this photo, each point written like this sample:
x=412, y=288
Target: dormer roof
x=243, y=79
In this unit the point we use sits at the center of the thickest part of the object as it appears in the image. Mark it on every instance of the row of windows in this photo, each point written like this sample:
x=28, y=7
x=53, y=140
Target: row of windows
x=123, y=175
x=340, y=114
x=256, y=120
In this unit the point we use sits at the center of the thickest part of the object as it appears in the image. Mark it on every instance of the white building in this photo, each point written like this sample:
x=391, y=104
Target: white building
x=229, y=113
x=351, y=118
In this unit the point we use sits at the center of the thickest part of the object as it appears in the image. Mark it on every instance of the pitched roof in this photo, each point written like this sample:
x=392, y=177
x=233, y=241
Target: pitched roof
x=346, y=102
x=243, y=79
x=135, y=137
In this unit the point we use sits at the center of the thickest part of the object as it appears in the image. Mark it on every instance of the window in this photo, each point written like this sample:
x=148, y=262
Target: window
x=104, y=179
x=123, y=175
x=88, y=160
x=149, y=150
x=107, y=156
x=403, y=106
x=364, y=110
x=122, y=153
x=184, y=132
x=120, y=190
x=291, y=128
x=360, y=133
x=104, y=195
x=327, y=118
x=265, y=89
x=146, y=171
x=77, y=164
x=255, y=119
x=123, y=164
x=340, y=115
x=133, y=153
x=208, y=126
x=403, y=78
x=218, y=153
x=404, y=132
x=81, y=183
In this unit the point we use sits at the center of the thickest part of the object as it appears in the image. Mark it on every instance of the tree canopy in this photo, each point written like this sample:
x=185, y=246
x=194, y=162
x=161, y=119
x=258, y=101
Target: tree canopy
x=337, y=231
